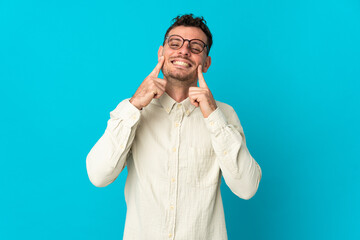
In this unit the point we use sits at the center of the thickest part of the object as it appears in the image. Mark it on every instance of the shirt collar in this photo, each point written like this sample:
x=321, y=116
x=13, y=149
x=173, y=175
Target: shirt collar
x=168, y=104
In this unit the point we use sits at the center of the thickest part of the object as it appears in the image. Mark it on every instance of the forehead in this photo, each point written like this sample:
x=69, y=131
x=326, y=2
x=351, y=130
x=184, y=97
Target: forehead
x=189, y=33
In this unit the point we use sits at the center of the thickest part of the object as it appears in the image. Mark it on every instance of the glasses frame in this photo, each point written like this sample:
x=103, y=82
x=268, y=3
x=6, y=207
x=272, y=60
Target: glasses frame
x=189, y=40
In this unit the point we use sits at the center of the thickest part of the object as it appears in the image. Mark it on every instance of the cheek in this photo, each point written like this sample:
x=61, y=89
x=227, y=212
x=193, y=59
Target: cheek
x=167, y=62
x=166, y=59
x=167, y=51
x=167, y=65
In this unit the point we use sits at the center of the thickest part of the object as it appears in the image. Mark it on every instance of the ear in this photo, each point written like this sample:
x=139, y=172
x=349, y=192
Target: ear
x=160, y=51
x=207, y=64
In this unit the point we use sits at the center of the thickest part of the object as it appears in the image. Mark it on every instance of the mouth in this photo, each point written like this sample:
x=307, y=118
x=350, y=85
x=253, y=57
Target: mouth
x=181, y=63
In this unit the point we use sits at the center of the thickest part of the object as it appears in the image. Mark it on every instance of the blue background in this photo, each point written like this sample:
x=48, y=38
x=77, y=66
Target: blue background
x=291, y=70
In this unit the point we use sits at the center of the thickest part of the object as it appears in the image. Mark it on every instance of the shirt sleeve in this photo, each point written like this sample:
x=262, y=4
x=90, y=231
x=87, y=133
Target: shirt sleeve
x=241, y=172
x=108, y=157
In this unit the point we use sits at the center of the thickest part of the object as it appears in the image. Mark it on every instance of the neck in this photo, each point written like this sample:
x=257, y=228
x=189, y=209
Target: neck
x=178, y=90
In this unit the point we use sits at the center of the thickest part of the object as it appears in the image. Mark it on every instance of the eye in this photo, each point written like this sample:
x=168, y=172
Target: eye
x=175, y=42
x=196, y=47
x=195, y=50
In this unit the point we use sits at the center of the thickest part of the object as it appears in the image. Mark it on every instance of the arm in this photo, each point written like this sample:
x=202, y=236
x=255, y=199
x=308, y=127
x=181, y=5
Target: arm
x=241, y=172
x=108, y=157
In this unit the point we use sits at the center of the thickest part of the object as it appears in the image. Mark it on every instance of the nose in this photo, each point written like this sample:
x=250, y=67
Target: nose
x=185, y=49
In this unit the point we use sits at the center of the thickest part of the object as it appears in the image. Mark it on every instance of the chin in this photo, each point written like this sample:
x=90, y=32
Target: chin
x=182, y=77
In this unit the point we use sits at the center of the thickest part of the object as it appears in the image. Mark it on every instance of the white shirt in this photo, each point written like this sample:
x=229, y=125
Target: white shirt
x=175, y=158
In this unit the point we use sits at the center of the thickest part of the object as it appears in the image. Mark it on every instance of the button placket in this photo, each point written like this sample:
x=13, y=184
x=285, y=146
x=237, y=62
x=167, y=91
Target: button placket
x=178, y=112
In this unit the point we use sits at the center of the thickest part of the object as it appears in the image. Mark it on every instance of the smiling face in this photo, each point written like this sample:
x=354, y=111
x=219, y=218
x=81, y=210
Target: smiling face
x=181, y=64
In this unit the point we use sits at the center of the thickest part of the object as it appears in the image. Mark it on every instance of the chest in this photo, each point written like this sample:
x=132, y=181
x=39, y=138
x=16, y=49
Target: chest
x=164, y=141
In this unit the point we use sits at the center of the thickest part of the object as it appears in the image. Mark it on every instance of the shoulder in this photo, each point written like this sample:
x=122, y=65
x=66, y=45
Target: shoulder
x=225, y=108
x=230, y=114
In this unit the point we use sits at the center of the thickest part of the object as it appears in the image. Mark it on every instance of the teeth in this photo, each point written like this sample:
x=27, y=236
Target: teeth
x=181, y=63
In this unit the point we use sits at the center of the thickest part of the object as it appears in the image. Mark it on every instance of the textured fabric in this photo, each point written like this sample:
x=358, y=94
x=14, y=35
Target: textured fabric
x=175, y=158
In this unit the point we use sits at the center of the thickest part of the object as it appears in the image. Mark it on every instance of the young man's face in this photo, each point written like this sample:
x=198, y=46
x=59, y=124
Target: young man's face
x=181, y=64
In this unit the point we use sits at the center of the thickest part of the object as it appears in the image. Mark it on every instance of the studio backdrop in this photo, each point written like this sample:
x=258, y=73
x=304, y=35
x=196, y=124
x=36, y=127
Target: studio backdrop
x=290, y=69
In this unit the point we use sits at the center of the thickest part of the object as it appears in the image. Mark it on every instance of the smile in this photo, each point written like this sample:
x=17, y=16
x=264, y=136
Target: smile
x=181, y=63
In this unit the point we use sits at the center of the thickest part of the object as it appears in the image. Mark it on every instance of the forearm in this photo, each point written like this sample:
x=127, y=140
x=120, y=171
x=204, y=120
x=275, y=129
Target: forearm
x=108, y=157
x=241, y=172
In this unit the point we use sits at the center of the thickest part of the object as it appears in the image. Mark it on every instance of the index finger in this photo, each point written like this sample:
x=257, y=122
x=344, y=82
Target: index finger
x=156, y=71
x=202, y=82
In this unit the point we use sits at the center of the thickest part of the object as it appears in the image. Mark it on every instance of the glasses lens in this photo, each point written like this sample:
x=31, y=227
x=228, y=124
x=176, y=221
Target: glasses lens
x=175, y=42
x=196, y=46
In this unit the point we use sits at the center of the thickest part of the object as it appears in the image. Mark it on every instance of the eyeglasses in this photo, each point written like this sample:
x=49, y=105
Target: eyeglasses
x=176, y=42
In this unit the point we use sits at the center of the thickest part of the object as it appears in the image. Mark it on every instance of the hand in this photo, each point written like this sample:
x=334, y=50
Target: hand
x=151, y=87
x=201, y=96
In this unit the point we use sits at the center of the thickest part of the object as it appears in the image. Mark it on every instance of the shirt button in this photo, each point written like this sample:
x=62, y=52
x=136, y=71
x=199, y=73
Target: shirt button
x=179, y=105
x=187, y=112
x=170, y=235
x=134, y=117
x=172, y=207
x=177, y=124
x=172, y=179
x=122, y=146
x=225, y=152
x=211, y=123
x=174, y=149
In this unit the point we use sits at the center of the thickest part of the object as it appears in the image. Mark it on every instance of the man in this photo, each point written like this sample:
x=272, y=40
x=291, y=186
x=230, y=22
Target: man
x=176, y=142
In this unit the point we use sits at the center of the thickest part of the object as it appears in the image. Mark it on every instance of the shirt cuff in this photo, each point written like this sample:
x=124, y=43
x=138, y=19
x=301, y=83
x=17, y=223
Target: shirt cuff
x=216, y=121
x=127, y=112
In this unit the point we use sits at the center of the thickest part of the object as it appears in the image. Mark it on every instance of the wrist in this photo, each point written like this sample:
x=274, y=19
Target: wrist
x=134, y=102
